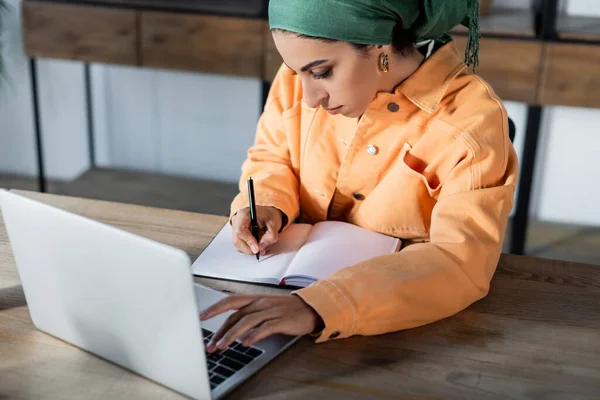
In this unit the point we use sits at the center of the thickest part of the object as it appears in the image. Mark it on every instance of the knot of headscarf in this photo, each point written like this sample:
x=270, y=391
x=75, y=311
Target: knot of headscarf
x=374, y=21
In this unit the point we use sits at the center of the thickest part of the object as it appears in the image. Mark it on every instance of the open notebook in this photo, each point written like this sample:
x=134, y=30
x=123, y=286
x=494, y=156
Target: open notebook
x=304, y=253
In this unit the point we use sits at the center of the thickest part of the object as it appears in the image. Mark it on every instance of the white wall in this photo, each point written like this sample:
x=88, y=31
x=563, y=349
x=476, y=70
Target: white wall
x=496, y=4
x=63, y=117
x=583, y=7
x=571, y=167
x=200, y=125
x=16, y=123
x=196, y=125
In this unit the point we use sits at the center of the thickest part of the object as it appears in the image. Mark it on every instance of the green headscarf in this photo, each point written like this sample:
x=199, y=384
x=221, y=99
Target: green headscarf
x=373, y=21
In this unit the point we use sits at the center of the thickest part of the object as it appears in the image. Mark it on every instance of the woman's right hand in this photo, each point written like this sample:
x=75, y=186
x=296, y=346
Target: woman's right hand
x=269, y=221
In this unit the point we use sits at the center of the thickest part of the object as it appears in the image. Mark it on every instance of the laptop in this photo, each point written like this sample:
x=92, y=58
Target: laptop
x=125, y=298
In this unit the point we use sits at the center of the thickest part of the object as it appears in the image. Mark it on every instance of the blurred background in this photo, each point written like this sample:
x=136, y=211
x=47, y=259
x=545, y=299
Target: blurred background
x=155, y=102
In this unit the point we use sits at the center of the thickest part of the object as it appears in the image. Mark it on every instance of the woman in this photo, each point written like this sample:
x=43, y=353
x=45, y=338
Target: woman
x=375, y=120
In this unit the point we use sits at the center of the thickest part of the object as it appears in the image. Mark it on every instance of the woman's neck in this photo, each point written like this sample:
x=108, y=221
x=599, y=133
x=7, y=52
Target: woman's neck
x=401, y=67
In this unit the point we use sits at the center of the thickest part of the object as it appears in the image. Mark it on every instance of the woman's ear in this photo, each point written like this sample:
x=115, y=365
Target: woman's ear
x=375, y=51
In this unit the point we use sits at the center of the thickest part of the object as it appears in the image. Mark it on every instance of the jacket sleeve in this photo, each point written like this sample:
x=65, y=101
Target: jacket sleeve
x=429, y=281
x=269, y=161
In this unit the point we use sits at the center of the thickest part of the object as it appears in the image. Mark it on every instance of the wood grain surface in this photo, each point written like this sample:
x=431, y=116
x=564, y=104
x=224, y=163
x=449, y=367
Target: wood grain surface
x=221, y=45
x=511, y=66
x=75, y=32
x=571, y=76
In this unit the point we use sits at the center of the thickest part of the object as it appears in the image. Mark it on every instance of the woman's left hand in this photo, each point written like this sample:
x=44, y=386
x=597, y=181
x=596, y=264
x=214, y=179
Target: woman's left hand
x=259, y=316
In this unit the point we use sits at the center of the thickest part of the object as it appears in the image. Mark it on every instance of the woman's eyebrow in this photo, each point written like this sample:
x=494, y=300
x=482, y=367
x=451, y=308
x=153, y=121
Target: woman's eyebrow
x=308, y=66
x=312, y=65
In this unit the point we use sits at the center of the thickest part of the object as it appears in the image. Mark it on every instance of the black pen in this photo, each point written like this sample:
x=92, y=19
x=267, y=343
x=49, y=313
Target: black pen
x=253, y=221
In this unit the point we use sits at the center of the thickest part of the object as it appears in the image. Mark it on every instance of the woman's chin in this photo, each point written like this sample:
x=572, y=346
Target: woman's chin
x=351, y=114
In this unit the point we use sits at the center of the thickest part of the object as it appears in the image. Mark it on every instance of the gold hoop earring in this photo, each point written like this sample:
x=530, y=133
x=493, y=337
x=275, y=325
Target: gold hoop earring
x=384, y=62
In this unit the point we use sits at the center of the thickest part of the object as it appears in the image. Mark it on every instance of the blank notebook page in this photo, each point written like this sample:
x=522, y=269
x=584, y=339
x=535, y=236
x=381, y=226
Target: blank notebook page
x=334, y=245
x=221, y=259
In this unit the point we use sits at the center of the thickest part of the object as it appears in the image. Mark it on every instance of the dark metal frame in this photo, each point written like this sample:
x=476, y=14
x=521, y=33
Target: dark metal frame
x=90, y=114
x=518, y=233
x=545, y=26
x=266, y=87
x=37, y=127
x=42, y=177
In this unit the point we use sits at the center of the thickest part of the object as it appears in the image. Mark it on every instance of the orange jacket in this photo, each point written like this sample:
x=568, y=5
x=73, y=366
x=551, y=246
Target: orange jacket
x=431, y=163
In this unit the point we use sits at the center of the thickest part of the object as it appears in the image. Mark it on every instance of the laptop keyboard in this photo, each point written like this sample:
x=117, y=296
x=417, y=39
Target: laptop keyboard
x=223, y=364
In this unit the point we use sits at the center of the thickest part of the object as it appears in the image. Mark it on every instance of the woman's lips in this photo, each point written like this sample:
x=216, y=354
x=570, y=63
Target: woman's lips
x=334, y=111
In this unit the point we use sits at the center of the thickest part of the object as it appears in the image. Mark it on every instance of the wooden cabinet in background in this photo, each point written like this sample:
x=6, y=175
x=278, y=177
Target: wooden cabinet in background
x=220, y=45
x=510, y=66
x=571, y=76
x=86, y=33
x=272, y=59
x=529, y=71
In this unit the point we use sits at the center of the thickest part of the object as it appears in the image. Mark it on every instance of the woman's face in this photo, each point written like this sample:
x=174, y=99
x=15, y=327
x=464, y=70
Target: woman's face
x=334, y=75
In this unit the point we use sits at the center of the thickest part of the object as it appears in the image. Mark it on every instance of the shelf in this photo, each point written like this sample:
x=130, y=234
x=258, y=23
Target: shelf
x=243, y=46
x=571, y=75
x=145, y=38
x=207, y=43
x=510, y=22
x=93, y=34
x=578, y=28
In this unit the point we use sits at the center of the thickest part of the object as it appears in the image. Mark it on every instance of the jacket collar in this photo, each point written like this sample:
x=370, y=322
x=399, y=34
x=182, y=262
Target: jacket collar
x=427, y=86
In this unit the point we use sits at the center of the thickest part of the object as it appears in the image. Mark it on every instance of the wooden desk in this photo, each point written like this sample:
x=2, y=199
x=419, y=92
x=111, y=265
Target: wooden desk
x=536, y=335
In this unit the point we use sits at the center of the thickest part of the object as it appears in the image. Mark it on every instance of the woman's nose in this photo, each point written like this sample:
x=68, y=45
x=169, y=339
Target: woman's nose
x=313, y=97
